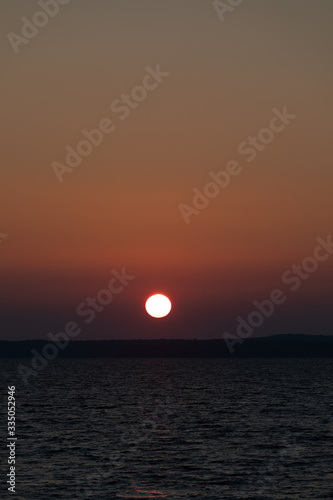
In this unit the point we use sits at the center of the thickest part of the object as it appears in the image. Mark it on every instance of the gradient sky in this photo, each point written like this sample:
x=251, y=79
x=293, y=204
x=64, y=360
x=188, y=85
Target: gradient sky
x=120, y=206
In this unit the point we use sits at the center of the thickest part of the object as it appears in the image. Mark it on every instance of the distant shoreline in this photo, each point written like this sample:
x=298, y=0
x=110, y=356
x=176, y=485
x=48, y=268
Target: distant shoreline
x=279, y=346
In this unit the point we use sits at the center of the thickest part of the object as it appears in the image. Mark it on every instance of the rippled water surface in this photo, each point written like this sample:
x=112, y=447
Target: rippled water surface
x=174, y=429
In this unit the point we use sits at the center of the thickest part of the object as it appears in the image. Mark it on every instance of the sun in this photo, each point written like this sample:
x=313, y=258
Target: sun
x=158, y=305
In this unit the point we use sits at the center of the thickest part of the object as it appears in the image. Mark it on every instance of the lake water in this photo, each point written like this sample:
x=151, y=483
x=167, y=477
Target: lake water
x=173, y=429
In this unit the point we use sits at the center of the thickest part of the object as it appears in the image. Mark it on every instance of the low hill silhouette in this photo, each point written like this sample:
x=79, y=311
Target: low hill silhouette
x=276, y=346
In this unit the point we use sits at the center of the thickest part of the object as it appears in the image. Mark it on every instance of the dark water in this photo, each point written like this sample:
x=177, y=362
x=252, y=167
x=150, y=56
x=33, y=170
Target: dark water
x=173, y=429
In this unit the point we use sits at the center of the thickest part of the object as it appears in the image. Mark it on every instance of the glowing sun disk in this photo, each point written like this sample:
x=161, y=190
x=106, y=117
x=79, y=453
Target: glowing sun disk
x=158, y=305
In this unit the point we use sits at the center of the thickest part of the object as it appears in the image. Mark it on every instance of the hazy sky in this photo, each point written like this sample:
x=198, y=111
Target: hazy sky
x=120, y=206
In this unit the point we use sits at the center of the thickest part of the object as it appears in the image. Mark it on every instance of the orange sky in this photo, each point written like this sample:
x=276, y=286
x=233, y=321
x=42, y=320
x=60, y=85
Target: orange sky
x=120, y=206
